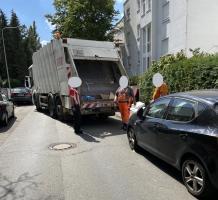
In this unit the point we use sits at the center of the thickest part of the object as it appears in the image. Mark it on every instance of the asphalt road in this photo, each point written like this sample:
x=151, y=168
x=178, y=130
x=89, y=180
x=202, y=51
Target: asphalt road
x=100, y=167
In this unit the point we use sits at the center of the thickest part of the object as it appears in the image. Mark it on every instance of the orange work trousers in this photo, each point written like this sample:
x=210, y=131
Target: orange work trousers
x=125, y=111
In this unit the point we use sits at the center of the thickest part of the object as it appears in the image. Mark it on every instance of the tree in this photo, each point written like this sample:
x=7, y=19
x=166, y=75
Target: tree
x=15, y=52
x=31, y=42
x=85, y=19
x=3, y=23
x=20, y=44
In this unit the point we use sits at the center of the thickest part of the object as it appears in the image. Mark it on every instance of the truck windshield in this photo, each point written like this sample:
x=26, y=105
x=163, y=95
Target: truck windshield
x=99, y=77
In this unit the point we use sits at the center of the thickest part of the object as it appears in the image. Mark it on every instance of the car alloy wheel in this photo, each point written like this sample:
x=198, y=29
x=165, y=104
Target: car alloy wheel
x=195, y=178
x=131, y=139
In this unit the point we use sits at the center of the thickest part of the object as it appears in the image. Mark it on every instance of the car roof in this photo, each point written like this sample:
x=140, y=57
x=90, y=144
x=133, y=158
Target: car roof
x=209, y=96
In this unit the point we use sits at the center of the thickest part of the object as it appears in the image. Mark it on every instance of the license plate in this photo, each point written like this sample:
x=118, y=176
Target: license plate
x=20, y=95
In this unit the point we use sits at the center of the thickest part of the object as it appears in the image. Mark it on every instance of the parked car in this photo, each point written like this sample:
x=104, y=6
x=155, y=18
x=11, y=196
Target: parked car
x=21, y=95
x=182, y=130
x=6, y=109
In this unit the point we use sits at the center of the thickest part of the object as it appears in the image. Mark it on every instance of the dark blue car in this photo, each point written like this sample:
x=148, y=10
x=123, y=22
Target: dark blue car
x=182, y=130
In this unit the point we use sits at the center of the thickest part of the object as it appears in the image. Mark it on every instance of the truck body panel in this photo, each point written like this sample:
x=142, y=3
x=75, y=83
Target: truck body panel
x=97, y=63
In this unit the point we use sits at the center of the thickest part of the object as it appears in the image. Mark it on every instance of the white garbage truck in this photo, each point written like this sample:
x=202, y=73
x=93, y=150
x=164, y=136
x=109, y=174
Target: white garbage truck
x=98, y=65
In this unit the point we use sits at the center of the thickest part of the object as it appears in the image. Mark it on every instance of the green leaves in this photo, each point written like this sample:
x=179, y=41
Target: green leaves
x=20, y=43
x=85, y=19
x=182, y=73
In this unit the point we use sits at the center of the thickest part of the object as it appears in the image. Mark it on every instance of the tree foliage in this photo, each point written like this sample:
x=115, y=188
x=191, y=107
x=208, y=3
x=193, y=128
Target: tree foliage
x=85, y=19
x=182, y=73
x=20, y=43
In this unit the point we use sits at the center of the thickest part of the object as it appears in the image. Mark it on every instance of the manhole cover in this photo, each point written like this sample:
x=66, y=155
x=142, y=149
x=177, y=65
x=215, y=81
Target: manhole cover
x=62, y=146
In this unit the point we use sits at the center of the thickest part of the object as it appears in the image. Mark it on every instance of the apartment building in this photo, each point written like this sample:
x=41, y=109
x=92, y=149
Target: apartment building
x=154, y=28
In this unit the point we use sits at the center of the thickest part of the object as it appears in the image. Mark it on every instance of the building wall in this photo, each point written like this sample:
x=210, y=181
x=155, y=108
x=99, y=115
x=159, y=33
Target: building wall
x=202, y=23
x=169, y=27
x=175, y=25
x=131, y=40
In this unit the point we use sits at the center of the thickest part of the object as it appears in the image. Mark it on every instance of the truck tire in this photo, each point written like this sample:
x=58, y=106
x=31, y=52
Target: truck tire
x=36, y=102
x=51, y=107
x=59, y=109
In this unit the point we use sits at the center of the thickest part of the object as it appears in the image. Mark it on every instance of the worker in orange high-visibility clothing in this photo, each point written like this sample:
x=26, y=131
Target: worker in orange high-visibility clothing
x=124, y=98
x=160, y=91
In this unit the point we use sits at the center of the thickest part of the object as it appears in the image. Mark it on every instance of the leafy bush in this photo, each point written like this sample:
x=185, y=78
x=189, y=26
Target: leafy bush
x=134, y=80
x=181, y=74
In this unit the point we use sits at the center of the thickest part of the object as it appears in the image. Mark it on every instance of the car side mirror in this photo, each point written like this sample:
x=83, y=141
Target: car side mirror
x=140, y=113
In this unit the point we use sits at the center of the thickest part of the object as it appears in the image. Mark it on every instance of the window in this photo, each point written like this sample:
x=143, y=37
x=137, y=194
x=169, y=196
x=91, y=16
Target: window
x=165, y=11
x=216, y=109
x=201, y=108
x=138, y=31
x=128, y=39
x=144, y=40
x=181, y=110
x=165, y=46
x=148, y=62
x=128, y=14
x=138, y=5
x=149, y=38
x=138, y=57
x=158, y=108
x=129, y=61
x=67, y=56
x=143, y=7
x=149, y=5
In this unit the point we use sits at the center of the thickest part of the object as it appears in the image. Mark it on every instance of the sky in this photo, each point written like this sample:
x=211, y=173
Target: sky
x=35, y=10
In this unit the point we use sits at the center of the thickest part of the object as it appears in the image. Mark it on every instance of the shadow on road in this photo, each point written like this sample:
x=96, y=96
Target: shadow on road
x=163, y=166
x=168, y=169
x=94, y=127
x=88, y=138
x=10, y=124
x=22, y=188
x=18, y=188
x=102, y=128
x=23, y=104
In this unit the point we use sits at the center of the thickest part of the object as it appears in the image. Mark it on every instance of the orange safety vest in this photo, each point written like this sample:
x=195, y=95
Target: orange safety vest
x=122, y=96
x=160, y=91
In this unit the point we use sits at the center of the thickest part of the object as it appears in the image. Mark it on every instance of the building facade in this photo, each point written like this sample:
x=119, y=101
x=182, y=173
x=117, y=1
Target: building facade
x=154, y=28
x=119, y=40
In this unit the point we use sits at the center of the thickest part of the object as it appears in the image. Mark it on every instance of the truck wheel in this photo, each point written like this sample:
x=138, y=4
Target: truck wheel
x=36, y=102
x=51, y=107
x=59, y=110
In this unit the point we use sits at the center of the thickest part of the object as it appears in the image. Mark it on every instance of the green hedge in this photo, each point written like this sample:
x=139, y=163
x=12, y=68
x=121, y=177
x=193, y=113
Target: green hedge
x=181, y=74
